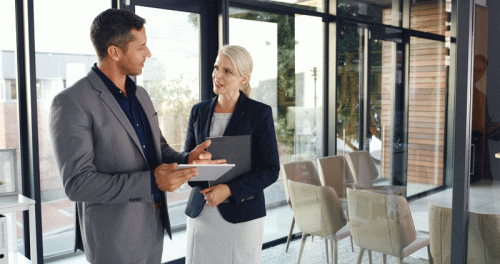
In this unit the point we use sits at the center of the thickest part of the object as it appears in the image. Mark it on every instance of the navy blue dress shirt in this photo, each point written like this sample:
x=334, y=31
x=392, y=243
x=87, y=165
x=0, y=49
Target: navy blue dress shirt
x=133, y=109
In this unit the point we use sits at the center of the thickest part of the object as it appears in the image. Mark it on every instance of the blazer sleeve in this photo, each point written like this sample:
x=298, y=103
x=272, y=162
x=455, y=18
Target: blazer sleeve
x=73, y=142
x=265, y=159
x=170, y=155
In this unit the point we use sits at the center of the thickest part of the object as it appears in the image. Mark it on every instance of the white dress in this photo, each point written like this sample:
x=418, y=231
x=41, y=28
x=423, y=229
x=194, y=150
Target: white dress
x=211, y=239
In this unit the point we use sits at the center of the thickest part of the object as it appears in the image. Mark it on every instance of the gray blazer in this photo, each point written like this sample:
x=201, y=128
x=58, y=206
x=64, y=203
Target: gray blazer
x=104, y=170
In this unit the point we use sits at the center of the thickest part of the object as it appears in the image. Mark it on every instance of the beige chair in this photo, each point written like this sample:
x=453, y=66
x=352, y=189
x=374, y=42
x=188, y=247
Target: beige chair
x=483, y=245
x=383, y=223
x=334, y=172
x=298, y=171
x=317, y=211
x=364, y=172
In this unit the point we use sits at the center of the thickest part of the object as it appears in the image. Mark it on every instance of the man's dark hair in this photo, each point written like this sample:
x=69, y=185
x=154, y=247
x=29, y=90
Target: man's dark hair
x=114, y=27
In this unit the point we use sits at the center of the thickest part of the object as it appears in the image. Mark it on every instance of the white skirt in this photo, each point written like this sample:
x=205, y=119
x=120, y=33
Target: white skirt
x=211, y=239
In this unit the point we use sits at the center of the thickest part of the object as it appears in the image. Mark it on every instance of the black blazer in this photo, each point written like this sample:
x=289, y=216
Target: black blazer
x=249, y=118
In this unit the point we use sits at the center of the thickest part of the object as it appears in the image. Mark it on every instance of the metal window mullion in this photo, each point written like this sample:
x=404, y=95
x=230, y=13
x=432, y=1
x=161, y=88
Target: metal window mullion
x=326, y=70
x=463, y=30
x=224, y=23
x=332, y=123
x=395, y=137
x=209, y=23
x=363, y=89
x=28, y=125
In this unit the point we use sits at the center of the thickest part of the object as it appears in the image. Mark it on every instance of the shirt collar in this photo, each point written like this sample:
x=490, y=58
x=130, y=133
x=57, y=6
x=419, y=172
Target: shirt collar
x=129, y=83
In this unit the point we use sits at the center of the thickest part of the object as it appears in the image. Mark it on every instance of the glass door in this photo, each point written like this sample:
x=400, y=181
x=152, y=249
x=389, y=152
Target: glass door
x=370, y=97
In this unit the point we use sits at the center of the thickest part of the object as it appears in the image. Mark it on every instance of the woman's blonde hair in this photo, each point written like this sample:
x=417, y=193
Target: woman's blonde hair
x=242, y=62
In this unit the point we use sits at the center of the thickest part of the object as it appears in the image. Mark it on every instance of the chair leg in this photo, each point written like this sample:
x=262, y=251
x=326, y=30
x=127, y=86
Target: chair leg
x=370, y=256
x=352, y=244
x=400, y=261
x=431, y=261
x=326, y=250
x=335, y=253
x=360, y=255
x=384, y=258
x=331, y=249
x=290, y=234
x=302, y=242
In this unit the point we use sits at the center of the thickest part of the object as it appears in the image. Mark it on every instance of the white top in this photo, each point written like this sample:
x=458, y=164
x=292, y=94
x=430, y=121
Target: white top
x=219, y=124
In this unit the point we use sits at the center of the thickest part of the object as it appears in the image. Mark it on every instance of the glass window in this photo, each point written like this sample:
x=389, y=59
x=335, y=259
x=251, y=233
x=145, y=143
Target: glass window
x=432, y=16
x=171, y=76
x=10, y=173
x=426, y=114
x=288, y=71
x=384, y=121
x=379, y=11
x=484, y=205
x=64, y=54
x=370, y=97
x=348, y=77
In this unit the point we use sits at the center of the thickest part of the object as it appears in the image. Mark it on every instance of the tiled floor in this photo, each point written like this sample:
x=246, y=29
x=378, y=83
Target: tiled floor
x=278, y=222
x=484, y=197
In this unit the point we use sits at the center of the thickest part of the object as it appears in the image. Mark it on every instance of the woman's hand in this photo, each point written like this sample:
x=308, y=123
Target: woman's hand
x=216, y=194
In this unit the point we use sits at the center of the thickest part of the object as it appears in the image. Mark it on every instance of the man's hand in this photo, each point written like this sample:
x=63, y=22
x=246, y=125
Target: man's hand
x=168, y=179
x=216, y=194
x=199, y=156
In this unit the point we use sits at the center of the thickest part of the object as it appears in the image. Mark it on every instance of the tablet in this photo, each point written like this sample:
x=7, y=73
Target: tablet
x=207, y=172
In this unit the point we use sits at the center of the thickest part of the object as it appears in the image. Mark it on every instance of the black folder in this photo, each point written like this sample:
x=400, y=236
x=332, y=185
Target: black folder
x=235, y=150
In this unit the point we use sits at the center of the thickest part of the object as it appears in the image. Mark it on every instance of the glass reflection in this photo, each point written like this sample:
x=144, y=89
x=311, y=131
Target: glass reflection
x=426, y=113
x=379, y=11
x=348, y=74
x=432, y=16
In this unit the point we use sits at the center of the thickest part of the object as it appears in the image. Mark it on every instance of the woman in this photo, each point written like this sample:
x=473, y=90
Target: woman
x=226, y=222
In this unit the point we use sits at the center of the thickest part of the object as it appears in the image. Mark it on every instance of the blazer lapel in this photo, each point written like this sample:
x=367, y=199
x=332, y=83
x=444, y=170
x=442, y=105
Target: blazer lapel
x=206, y=119
x=113, y=105
x=240, y=112
x=150, y=112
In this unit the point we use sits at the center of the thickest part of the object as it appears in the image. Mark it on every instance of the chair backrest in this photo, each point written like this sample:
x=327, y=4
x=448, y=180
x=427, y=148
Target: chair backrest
x=483, y=245
x=299, y=171
x=334, y=172
x=363, y=168
x=380, y=222
x=316, y=209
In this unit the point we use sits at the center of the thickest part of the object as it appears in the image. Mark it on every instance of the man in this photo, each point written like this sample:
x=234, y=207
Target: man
x=113, y=160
